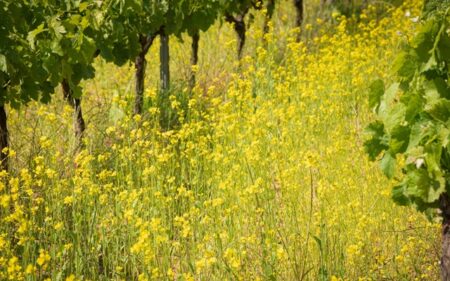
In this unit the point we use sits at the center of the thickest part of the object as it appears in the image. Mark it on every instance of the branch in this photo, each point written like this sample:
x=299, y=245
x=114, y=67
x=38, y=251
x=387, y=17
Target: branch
x=229, y=18
x=146, y=41
x=97, y=52
x=238, y=19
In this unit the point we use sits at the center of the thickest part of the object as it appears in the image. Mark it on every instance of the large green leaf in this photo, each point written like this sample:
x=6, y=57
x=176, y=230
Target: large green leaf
x=414, y=103
x=443, y=50
x=439, y=109
x=387, y=164
x=405, y=66
x=399, y=139
x=31, y=37
x=387, y=99
x=421, y=185
x=419, y=131
x=399, y=196
x=394, y=117
x=433, y=153
x=377, y=142
x=424, y=40
x=436, y=88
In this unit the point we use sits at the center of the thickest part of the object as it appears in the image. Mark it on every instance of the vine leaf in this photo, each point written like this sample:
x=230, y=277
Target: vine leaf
x=394, y=117
x=377, y=143
x=32, y=34
x=405, y=65
x=398, y=195
x=399, y=139
x=387, y=99
x=439, y=110
x=387, y=164
x=421, y=185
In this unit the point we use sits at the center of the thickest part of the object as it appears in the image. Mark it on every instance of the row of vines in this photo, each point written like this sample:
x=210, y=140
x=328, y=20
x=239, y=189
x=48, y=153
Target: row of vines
x=49, y=44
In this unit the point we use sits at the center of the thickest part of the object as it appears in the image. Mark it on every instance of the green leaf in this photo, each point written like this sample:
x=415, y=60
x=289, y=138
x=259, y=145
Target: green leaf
x=423, y=41
x=32, y=34
x=3, y=63
x=76, y=91
x=377, y=142
x=405, y=66
x=394, y=117
x=436, y=88
x=399, y=139
x=421, y=185
x=431, y=64
x=87, y=48
x=57, y=27
x=387, y=99
x=433, y=153
x=83, y=6
x=444, y=136
x=419, y=131
x=414, y=104
x=56, y=47
x=398, y=195
x=387, y=164
x=375, y=94
x=443, y=50
x=439, y=109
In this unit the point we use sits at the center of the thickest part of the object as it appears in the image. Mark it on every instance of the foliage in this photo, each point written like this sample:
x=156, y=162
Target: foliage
x=65, y=40
x=412, y=130
x=42, y=44
x=197, y=15
x=237, y=9
x=22, y=77
x=435, y=7
x=124, y=21
x=122, y=24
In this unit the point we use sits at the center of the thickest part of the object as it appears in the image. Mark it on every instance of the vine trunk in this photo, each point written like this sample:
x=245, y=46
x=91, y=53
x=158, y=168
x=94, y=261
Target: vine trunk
x=78, y=120
x=299, y=16
x=3, y=139
x=445, y=258
x=194, y=57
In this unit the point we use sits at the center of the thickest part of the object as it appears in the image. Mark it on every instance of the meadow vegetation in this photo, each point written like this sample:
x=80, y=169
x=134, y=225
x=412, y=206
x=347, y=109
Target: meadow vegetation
x=258, y=173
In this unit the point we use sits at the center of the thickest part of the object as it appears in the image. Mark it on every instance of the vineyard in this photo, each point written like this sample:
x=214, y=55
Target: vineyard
x=224, y=140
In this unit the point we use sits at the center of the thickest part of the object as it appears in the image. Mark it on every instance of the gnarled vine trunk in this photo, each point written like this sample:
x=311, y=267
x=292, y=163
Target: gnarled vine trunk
x=240, y=29
x=299, y=16
x=140, y=64
x=270, y=9
x=78, y=121
x=3, y=139
x=194, y=57
x=445, y=258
